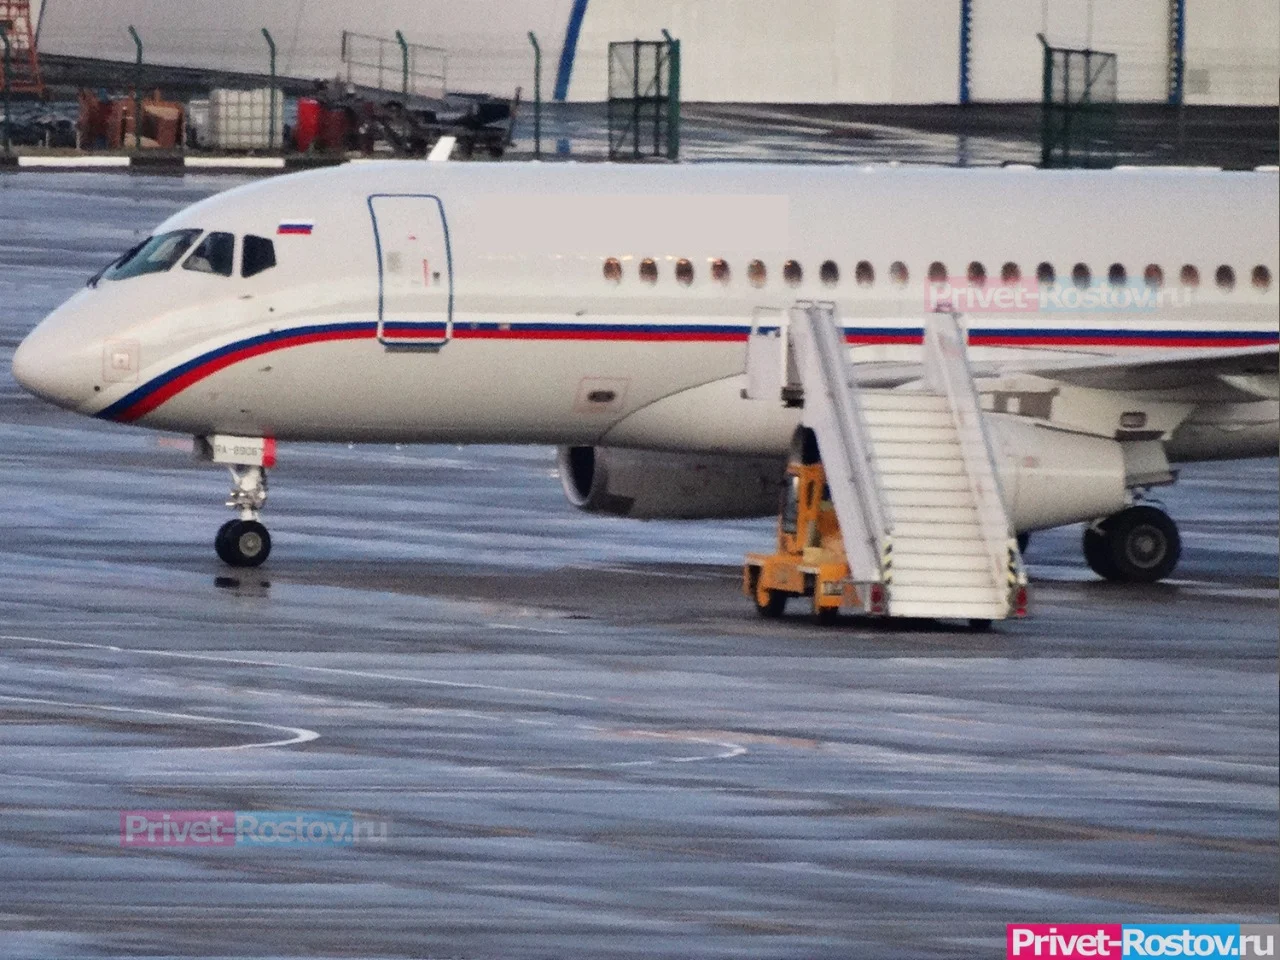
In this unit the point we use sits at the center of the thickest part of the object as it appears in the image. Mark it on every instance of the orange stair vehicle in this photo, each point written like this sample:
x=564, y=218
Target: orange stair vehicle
x=810, y=560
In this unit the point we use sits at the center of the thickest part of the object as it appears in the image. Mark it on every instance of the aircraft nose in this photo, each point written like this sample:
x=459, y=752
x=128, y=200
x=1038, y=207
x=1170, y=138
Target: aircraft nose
x=45, y=367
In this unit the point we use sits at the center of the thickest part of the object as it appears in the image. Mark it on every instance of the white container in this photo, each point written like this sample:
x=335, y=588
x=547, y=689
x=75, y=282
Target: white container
x=241, y=119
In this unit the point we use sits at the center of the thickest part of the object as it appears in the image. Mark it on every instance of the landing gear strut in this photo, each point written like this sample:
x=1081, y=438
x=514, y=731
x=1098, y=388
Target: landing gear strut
x=245, y=542
x=1140, y=544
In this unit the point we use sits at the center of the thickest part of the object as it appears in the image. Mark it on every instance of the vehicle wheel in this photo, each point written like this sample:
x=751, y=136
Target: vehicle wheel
x=1024, y=541
x=1096, y=553
x=774, y=606
x=242, y=543
x=1143, y=544
x=826, y=616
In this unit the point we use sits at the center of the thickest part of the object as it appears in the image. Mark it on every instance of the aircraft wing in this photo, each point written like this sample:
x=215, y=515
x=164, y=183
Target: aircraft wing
x=1243, y=368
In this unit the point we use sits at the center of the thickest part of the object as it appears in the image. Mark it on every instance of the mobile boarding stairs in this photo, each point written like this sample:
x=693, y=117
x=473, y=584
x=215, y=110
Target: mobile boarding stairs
x=911, y=472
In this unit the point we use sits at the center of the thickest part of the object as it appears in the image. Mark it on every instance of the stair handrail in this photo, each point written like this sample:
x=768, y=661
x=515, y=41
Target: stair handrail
x=817, y=322
x=947, y=371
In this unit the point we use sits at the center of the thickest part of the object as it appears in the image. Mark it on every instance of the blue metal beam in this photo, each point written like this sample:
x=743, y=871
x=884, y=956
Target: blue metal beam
x=966, y=46
x=1177, y=49
x=570, y=49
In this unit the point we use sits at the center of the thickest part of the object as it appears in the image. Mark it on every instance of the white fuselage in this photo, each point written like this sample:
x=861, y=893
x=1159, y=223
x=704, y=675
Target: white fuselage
x=473, y=302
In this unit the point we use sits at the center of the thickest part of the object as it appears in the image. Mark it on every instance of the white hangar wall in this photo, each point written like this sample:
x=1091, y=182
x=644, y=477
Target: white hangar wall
x=798, y=51
x=801, y=51
x=1232, y=49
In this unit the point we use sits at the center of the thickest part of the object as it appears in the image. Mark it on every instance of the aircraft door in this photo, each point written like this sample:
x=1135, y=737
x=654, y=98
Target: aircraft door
x=415, y=270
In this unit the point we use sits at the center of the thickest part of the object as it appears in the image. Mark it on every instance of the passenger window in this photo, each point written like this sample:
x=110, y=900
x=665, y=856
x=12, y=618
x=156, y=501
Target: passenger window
x=1189, y=276
x=864, y=274
x=937, y=272
x=1117, y=276
x=1045, y=275
x=613, y=270
x=1010, y=273
x=1153, y=276
x=720, y=272
x=684, y=272
x=757, y=273
x=792, y=272
x=1225, y=278
x=649, y=270
x=155, y=256
x=1081, y=275
x=215, y=254
x=1261, y=277
x=829, y=273
x=898, y=273
x=258, y=254
x=977, y=274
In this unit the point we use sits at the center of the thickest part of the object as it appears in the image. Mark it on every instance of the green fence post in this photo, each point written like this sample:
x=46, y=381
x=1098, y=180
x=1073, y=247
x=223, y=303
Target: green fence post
x=404, y=63
x=8, y=83
x=137, y=92
x=537, y=97
x=271, y=108
x=673, y=97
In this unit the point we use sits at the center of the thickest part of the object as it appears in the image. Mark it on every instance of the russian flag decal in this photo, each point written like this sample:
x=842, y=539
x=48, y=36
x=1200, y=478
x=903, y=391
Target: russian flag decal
x=295, y=228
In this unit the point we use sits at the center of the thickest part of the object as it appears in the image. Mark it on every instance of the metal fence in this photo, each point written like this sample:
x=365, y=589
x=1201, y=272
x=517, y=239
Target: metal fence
x=643, y=99
x=409, y=68
x=1078, y=123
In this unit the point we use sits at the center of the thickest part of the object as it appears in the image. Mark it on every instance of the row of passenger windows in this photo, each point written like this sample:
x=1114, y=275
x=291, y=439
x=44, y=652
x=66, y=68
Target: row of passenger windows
x=864, y=274
x=214, y=254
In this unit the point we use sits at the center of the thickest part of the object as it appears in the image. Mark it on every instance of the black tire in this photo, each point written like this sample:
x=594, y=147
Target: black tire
x=826, y=616
x=1143, y=544
x=242, y=543
x=1024, y=541
x=774, y=607
x=1096, y=552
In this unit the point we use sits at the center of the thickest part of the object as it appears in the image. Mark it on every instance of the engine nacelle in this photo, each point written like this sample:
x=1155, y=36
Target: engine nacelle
x=1051, y=477
x=649, y=485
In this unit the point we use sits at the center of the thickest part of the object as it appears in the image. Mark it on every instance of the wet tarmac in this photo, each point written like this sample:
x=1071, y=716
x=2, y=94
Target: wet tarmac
x=578, y=737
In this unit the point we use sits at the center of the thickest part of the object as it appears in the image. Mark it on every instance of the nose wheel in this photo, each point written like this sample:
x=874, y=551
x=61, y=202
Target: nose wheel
x=245, y=542
x=242, y=543
x=1139, y=544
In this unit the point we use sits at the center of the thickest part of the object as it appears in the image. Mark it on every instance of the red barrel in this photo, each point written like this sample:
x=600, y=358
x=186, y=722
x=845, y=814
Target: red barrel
x=308, y=127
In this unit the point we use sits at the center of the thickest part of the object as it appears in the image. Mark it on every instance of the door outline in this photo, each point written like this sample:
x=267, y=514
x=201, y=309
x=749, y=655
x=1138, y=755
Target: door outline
x=416, y=343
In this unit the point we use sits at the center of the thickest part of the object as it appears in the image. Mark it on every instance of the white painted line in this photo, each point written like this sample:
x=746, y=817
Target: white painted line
x=308, y=668
x=443, y=148
x=298, y=734
x=65, y=162
x=235, y=163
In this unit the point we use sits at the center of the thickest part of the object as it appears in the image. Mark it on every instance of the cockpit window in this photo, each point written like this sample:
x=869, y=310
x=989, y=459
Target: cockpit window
x=215, y=254
x=155, y=256
x=259, y=254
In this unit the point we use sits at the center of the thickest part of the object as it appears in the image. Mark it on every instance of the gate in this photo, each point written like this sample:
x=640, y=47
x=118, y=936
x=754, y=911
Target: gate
x=415, y=270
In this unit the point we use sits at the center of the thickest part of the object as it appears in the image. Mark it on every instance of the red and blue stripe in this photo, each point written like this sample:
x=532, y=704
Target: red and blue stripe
x=147, y=397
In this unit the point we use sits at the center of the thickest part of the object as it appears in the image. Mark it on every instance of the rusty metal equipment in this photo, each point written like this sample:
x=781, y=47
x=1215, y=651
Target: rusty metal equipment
x=23, y=74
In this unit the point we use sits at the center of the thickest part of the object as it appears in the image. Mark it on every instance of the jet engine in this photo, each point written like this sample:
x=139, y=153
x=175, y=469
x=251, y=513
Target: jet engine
x=1051, y=477
x=649, y=485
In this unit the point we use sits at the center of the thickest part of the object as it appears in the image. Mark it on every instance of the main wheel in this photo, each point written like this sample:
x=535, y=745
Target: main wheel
x=1143, y=544
x=1096, y=553
x=774, y=605
x=242, y=543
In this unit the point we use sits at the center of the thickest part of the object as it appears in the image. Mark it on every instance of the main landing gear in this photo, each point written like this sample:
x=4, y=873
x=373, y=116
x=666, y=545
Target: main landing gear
x=244, y=541
x=1140, y=544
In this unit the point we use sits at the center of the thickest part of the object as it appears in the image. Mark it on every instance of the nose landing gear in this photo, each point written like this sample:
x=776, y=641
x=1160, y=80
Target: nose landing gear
x=245, y=542
x=1140, y=544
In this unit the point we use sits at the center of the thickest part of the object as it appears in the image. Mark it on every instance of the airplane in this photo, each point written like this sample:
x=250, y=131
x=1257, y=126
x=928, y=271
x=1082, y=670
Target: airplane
x=1119, y=323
